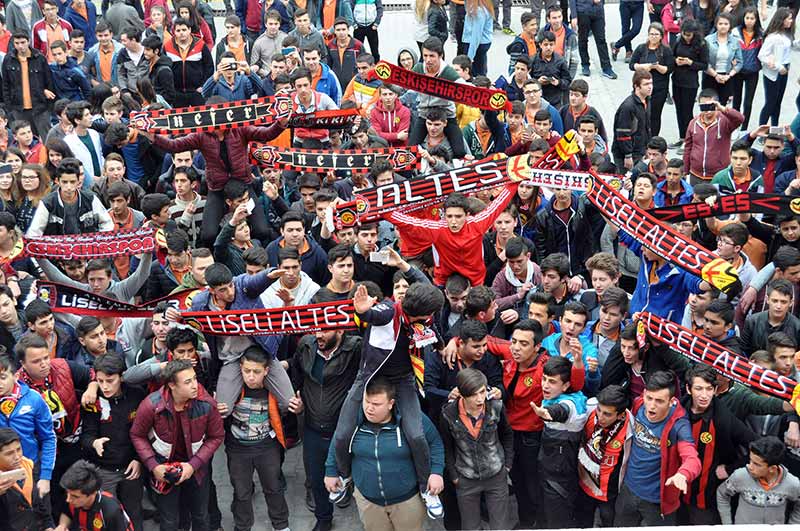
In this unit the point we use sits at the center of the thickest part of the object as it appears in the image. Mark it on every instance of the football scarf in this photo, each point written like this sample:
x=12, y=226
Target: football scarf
x=420, y=192
x=744, y=202
x=335, y=119
x=9, y=402
x=217, y=117
x=63, y=298
x=482, y=98
x=337, y=315
x=320, y=160
x=577, y=181
x=698, y=348
x=92, y=245
x=593, y=449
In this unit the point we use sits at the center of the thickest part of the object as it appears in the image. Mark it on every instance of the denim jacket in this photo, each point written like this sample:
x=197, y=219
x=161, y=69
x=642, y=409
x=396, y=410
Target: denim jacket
x=734, y=53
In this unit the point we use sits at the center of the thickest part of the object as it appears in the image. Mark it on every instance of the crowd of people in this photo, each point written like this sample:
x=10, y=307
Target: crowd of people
x=520, y=302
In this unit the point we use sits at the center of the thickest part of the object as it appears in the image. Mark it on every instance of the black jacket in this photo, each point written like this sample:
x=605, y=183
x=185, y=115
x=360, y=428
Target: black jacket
x=481, y=458
x=161, y=281
x=556, y=67
x=631, y=128
x=17, y=514
x=162, y=79
x=728, y=438
x=686, y=76
x=39, y=79
x=437, y=22
x=757, y=329
x=656, y=358
x=323, y=399
x=111, y=418
x=553, y=236
x=663, y=56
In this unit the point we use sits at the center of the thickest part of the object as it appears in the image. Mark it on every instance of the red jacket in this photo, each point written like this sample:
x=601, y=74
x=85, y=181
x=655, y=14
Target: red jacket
x=528, y=387
x=708, y=149
x=209, y=145
x=676, y=456
x=39, y=31
x=153, y=431
x=388, y=123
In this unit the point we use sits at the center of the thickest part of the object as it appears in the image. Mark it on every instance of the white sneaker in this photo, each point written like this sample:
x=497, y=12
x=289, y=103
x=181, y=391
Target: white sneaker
x=433, y=505
x=342, y=492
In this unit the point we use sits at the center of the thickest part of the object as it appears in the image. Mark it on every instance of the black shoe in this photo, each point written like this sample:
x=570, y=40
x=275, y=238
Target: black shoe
x=323, y=526
x=310, y=503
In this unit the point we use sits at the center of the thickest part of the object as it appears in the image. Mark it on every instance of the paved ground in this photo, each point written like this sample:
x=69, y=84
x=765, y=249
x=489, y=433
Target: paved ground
x=605, y=95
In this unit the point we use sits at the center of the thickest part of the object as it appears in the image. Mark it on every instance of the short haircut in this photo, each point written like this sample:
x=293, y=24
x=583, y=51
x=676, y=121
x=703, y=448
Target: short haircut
x=675, y=163
x=724, y=309
x=153, y=42
x=381, y=385
x=479, y=299
x=28, y=341
x=778, y=340
x=547, y=35
x=422, y=299
x=255, y=354
x=614, y=396
x=469, y=381
x=782, y=286
x=579, y=85
x=102, y=26
x=58, y=44
x=218, y=274
x=661, y=380
x=309, y=180
x=558, y=366
x=658, y=143
x=380, y=166
x=578, y=308
x=119, y=189
x=233, y=20
x=173, y=367
x=762, y=356
x=456, y=200
x=615, y=296
x=177, y=241
x=434, y=44
x=75, y=111
x=300, y=73
x=291, y=215
x=99, y=264
x=456, y=284
x=742, y=145
x=463, y=61
x=648, y=176
x=82, y=476
x=586, y=119
x=708, y=93
x=785, y=257
x=299, y=13
x=133, y=33
x=702, y=371
x=256, y=256
x=36, y=309
x=472, y=329
x=531, y=325
x=526, y=17
x=109, y=363
x=436, y=114
x=365, y=58
x=179, y=336
x=558, y=262
x=639, y=77
x=737, y=232
x=86, y=325
x=8, y=436
x=153, y=204
x=339, y=252
x=234, y=189
x=288, y=253
x=605, y=262
x=516, y=247
x=543, y=299
x=542, y=115
x=770, y=449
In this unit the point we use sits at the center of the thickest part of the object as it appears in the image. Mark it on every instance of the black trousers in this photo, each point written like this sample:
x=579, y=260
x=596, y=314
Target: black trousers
x=362, y=32
x=684, y=107
x=725, y=90
x=657, y=100
x=215, y=210
x=597, y=25
x=525, y=476
x=419, y=132
x=744, y=90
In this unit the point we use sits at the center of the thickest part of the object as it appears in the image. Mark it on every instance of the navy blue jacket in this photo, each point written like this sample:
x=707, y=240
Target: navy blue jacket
x=69, y=81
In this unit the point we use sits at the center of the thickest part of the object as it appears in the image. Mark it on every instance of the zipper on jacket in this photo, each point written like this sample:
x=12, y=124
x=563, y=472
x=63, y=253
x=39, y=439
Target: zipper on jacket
x=378, y=464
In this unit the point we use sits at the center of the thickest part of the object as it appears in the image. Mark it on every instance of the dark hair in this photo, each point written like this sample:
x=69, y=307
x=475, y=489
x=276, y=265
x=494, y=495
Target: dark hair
x=291, y=215
x=469, y=381
x=255, y=354
x=579, y=85
x=300, y=73
x=218, y=274
x=456, y=200
x=381, y=385
x=479, y=299
x=542, y=115
x=422, y=299
x=86, y=325
x=58, y=44
x=724, y=309
x=785, y=257
x=531, y=325
x=153, y=204
x=309, y=180
x=640, y=76
x=658, y=143
x=614, y=396
x=463, y=61
x=737, y=232
x=180, y=335
x=170, y=372
x=82, y=476
x=558, y=366
x=577, y=308
x=646, y=175
x=109, y=363
x=742, y=145
x=769, y=448
x=256, y=256
x=708, y=93
x=380, y=166
x=177, y=241
x=436, y=114
x=780, y=340
x=36, y=309
x=339, y=252
x=75, y=111
x=119, y=189
x=546, y=35
x=472, y=329
x=102, y=26
x=615, y=296
x=558, y=262
x=542, y=298
x=153, y=42
x=456, y=283
x=675, y=163
x=234, y=189
x=434, y=44
x=516, y=247
x=702, y=371
x=8, y=436
x=776, y=23
x=782, y=286
x=133, y=33
x=661, y=380
x=586, y=119
x=28, y=341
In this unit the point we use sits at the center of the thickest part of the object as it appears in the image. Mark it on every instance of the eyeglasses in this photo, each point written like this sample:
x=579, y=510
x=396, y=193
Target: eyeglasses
x=722, y=241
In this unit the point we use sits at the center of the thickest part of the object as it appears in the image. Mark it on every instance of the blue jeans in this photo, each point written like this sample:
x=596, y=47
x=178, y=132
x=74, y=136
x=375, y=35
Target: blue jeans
x=315, y=451
x=773, y=96
x=479, y=65
x=631, y=15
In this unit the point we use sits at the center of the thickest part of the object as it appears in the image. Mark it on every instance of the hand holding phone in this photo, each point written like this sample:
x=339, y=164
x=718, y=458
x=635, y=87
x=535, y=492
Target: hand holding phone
x=381, y=257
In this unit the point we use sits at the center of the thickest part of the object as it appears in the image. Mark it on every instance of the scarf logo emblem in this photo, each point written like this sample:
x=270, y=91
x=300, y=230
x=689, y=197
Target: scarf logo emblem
x=795, y=205
x=615, y=444
x=7, y=407
x=528, y=381
x=383, y=71
x=706, y=437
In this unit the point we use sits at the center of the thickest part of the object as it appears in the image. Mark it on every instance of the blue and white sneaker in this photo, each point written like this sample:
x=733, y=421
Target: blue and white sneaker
x=341, y=494
x=433, y=505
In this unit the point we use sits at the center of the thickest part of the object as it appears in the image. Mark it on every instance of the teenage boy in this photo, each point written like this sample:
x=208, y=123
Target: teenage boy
x=604, y=273
x=559, y=229
x=551, y=70
x=475, y=419
x=578, y=108
x=30, y=145
x=104, y=438
x=556, y=282
x=341, y=267
x=570, y=344
x=84, y=141
x=718, y=326
x=564, y=414
x=764, y=487
x=674, y=189
x=60, y=338
x=192, y=63
x=524, y=45
x=89, y=503
x=777, y=318
x=187, y=208
x=409, y=324
x=663, y=460
x=739, y=176
x=518, y=277
x=604, y=331
x=632, y=123
x=254, y=442
x=294, y=287
x=21, y=507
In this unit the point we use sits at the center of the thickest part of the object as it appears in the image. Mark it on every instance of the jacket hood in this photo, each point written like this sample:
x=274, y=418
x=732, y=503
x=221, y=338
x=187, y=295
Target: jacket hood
x=163, y=60
x=412, y=51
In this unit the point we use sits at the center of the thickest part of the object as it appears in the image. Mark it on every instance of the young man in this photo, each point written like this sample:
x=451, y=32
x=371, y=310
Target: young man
x=69, y=81
x=777, y=318
x=408, y=323
x=342, y=268
x=132, y=65
x=657, y=472
x=674, y=189
x=385, y=501
x=604, y=332
x=559, y=227
x=534, y=102
x=21, y=507
x=322, y=79
x=518, y=277
x=254, y=442
x=524, y=45
x=570, y=344
x=564, y=414
x=50, y=29
x=294, y=287
x=730, y=246
x=187, y=209
x=343, y=51
x=88, y=503
x=69, y=210
x=455, y=234
x=27, y=84
x=655, y=159
x=84, y=141
x=469, y=418
x=602, y=456
x=198, y=426
x=307, y=100
x=232, y=80
x=104, y=437
x=551, y=70
x=93, y=338
x=268, y=43
x=314, y=259
x=30, y=145
x=362, y=90
x=765, y=488
x=577, y=108
x=604, y=273
x=632, y=123
x=739, y=176
x=718, y=326
x=321, y=396
x=556, y=281
x=103, y=55
x=192, y=64
x=720, y=437
x=708, y=138
x=25, y=411
x=60, y=338
x=234, y=41
x=307, y=36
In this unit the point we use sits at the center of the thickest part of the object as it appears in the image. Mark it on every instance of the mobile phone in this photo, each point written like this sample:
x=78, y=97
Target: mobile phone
x=17, y=475
x=530, y=130
x=229, y=66
x=705, y=107
x=250, y=205
x=776, y=130
x=381, y=257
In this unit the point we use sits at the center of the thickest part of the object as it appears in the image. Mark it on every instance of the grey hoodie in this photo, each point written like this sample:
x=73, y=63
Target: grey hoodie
x=756, y=505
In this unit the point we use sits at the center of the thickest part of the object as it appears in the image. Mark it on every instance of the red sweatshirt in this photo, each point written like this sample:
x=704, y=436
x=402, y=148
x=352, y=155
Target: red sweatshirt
x=455, y=252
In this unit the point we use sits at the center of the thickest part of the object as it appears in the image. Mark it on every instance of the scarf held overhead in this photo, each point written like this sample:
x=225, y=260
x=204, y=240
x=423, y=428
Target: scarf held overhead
x=217, y=117
x=482, y=98
x=337, y=315
x=92, y=245
x=730, y=365
x=334, y=119
x=741, y=203
x=63, y=298
x=358, y=160
x=420, y=192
